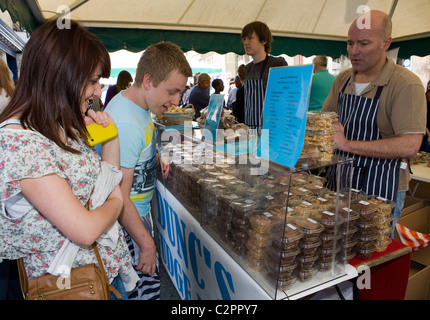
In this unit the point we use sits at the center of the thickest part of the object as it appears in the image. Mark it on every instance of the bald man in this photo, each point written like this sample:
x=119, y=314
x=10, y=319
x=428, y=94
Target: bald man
x=381, y=108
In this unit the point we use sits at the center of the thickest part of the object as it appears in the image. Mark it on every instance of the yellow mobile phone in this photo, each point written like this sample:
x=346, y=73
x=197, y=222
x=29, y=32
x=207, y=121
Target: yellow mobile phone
x=99, y=134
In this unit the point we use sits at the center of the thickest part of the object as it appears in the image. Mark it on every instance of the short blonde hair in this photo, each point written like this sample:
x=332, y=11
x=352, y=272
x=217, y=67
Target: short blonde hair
x=159, y=59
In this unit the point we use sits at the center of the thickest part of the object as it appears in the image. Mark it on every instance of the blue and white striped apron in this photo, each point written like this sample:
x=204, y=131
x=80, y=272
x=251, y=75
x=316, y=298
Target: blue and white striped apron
x=358, y=115
x=254, y=100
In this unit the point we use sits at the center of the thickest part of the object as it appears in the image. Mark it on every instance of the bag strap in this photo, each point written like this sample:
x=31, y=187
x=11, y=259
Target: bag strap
x=23, y=280
x=102, y=269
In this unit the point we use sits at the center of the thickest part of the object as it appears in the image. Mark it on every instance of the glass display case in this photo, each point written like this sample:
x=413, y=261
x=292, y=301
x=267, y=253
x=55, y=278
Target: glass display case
x=288, y=228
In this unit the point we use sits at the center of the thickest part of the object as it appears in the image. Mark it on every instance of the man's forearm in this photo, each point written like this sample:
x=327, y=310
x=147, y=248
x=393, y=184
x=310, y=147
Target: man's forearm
x=404, y=146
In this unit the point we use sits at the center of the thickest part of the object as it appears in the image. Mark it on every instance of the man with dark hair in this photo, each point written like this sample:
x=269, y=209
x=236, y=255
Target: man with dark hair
x=257, y=39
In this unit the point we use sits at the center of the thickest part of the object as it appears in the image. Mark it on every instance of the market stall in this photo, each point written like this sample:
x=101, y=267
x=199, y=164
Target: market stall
x=283, y=212
x=201, y=254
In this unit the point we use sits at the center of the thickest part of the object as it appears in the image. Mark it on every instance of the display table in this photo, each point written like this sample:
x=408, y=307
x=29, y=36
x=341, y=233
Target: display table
x=420, y=181
x=201, y=269
x=389, y=273
x=421, y=172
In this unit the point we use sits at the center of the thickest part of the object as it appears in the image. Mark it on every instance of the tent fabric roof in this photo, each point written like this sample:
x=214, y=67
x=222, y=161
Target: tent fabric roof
x=304, y=27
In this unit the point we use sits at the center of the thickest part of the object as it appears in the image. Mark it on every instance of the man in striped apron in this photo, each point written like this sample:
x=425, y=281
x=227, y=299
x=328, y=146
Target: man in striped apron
x=381, y=110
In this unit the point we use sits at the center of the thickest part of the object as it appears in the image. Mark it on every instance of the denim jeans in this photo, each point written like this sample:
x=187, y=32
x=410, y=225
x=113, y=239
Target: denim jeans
x=118, y=285
x=400, y=202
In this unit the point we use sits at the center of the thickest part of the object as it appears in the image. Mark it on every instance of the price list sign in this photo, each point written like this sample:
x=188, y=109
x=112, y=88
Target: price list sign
x=285, y=106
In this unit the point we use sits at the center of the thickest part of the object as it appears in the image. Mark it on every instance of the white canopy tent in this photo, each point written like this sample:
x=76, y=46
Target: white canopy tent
x=313, y=26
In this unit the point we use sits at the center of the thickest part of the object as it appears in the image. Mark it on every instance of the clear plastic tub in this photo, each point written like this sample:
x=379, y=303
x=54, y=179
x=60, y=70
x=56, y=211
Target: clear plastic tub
x=328, y=219
x=285, y=238
x=384, y=206
x=243, y=206
x=306, y=261
x=301, y=207
x=282, y=282
x=285, y=256
x=237, y=186
x=256, y=250
x=272, y=266
x=364, y=208
x=309, y=247
x=277, y=211
x=318, y=120
x=260, y=221
x=365, y=252
x=255, y=264
x=348, y=214
x=328, y=239
x=261, y=239
x=306, y=275
x=310, y=227
x=226, y=178
x=382, y=243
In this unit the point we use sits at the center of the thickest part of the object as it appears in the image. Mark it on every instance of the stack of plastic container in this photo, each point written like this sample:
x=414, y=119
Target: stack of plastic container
x=319, y=134
x=280, y=260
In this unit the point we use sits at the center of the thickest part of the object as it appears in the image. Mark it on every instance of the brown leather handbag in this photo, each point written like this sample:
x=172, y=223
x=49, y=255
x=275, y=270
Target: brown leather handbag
x=85, y=283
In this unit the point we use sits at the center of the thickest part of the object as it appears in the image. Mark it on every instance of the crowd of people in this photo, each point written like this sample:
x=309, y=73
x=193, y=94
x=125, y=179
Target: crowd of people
x=50, y=174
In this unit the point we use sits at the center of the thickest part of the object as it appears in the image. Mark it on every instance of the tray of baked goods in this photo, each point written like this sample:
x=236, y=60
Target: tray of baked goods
x=178, y=115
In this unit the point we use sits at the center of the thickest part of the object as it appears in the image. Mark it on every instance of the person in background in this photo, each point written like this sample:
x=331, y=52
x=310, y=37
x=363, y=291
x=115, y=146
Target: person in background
x=322, y=81
x=257, y=41
x=232, y=95
x=239, y=104
x=49, y=172
x=218, y=86
x=364, y=96
x=161, y=76
x=185, y=95
x=199, y=95
x=6, y=85
x=123, y=82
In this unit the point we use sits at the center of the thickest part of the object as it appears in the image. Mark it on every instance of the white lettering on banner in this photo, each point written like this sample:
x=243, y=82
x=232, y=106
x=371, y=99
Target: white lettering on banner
x=188, y=261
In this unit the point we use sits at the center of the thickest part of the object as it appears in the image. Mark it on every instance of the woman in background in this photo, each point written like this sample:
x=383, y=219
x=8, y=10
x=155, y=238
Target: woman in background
x=6, y=85
x=123, y=82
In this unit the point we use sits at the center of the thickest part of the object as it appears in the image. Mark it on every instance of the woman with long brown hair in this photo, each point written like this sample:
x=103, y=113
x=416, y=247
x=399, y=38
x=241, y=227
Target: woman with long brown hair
x=48, y=171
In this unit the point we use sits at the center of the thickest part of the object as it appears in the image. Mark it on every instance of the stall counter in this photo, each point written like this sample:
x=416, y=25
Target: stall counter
x=201, y=269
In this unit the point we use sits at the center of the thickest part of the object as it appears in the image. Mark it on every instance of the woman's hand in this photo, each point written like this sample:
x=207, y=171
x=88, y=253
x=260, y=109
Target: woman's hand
x=100, y=117
x=110, y=148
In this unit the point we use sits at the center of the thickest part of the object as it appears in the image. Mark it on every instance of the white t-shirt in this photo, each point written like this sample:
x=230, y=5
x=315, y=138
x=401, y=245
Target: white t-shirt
x=359, y=87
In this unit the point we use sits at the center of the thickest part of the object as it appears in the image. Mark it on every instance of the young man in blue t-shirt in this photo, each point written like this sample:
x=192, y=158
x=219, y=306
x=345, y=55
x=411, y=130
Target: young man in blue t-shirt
x=161, y=76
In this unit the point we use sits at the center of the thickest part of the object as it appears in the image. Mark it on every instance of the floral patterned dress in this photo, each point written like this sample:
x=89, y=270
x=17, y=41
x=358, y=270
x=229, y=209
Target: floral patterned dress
x=28, y=154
